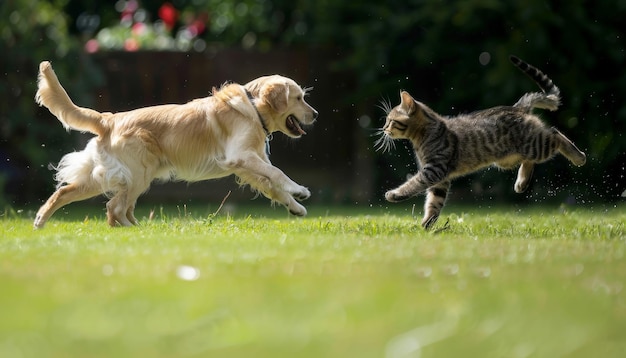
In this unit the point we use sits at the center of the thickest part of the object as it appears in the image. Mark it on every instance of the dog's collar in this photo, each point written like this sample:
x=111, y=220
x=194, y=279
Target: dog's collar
x=268, y=135
x=251, y=98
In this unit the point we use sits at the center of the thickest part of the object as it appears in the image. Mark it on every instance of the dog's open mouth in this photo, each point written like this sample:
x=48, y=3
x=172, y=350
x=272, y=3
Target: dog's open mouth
x=294, y=125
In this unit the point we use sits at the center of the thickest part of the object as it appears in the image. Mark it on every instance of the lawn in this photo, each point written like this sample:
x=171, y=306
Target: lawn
x=342, y=282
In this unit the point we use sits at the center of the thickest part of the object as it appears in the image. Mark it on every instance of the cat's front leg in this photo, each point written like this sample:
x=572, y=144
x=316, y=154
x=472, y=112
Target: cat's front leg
x=429, y=176
x=435, y=200
x=524, y=174
x=396, y=195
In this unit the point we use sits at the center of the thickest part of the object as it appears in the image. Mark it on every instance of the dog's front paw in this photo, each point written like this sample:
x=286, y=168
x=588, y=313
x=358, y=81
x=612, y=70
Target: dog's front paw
x=297, y=210
x=392, y=196
x=302, y=194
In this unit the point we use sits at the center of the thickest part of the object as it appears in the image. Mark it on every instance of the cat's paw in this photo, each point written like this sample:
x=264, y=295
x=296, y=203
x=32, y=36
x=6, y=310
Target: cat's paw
x=521, y=186
x=580, y=159
x=429, y=221
x=392, y=196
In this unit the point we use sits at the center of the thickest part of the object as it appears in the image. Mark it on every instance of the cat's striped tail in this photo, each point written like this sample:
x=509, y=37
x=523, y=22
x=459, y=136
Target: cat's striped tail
x=548, y=99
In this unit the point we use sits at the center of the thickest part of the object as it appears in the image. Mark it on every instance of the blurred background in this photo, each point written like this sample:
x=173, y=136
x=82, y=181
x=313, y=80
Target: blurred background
x=451, y=55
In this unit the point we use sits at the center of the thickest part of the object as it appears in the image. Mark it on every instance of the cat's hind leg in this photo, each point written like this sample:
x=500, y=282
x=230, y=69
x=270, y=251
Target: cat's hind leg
x=568, y=149
x=435, y=200
x=524, y=174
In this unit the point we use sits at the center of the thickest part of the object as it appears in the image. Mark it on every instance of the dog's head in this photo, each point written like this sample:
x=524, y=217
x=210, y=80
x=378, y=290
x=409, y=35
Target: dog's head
x=280, y=100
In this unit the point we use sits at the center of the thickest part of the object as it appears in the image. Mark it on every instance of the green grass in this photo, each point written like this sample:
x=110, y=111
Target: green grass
x=364, y=282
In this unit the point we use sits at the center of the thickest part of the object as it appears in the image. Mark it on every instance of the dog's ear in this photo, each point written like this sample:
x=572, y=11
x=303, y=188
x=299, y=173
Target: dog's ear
x=276, y=94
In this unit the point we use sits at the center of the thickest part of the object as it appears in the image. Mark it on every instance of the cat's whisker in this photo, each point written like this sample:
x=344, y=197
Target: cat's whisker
x=384, y=143
x=385, y=105
x=380, y=143
x=391, y=144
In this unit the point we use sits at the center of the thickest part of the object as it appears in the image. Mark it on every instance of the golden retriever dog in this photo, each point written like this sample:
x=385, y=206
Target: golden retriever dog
x=212, y=137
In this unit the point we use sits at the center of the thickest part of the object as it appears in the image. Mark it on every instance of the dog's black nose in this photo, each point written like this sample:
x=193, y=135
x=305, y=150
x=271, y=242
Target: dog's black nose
x=315, y=114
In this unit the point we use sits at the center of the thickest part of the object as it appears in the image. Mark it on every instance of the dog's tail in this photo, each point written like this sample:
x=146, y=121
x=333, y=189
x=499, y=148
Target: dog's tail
x=51, y=94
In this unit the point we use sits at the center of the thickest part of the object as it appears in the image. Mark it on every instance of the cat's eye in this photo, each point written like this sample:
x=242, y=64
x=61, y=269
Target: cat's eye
x=401, y=126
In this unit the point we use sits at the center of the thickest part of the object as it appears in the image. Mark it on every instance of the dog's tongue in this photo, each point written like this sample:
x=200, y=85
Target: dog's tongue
x=300, y=129
x=295, y=125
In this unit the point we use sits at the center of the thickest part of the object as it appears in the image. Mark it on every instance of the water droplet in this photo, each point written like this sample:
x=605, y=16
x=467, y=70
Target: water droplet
x=484, y=58
x=107, y=270
x=187, y=273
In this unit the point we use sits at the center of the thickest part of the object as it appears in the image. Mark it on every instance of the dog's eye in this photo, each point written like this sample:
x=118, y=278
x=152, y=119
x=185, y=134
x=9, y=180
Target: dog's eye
x=299, y=98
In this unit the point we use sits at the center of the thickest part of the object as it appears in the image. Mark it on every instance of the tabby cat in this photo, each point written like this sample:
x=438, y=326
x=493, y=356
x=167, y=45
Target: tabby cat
x=449, y=147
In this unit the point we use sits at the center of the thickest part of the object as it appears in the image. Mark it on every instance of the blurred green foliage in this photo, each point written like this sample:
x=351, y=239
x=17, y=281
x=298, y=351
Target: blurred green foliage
x=31, y=31
x=451, y=55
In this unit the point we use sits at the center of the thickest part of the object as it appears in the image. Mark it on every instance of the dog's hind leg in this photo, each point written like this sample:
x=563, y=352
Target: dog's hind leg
x=63, y=196
x=130, y=214
x=117, y=209
x=131, y=202
x=121, y=207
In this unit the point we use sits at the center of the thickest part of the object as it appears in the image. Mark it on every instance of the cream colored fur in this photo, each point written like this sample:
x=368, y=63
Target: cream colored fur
x=207, y=138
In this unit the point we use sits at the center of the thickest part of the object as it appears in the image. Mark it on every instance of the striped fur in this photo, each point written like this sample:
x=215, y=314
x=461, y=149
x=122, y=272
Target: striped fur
x=449, y=147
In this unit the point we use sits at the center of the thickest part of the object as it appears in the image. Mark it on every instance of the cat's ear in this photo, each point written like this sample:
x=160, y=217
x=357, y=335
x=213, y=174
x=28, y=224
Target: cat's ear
x=407, y=102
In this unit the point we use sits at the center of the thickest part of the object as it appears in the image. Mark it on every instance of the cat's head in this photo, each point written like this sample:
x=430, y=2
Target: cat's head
x=404, y=121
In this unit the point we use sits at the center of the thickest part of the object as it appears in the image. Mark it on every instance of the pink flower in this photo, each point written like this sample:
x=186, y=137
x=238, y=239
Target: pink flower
x=138, y=28
x=169, y=15
x=131, y=45
x=131, y=6
x=197, y=27
x=92, y=46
